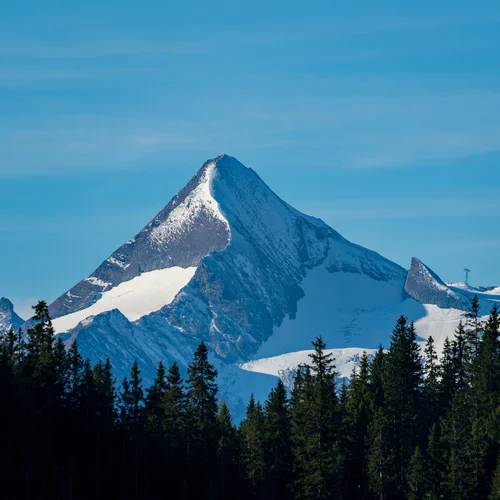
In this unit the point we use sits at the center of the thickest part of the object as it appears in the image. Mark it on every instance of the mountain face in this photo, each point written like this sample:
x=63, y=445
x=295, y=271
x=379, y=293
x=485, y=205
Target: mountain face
x=427, y=287
x=230, y=263
x=8, y=318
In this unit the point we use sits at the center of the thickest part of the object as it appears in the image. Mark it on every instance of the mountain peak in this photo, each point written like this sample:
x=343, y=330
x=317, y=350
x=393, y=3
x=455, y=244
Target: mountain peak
x=424, y=285
x=8, y=318
x=6, y=305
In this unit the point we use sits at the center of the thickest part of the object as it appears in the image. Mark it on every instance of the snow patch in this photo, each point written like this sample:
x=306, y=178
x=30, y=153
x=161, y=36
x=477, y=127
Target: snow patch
x=285, y=365
x=141, y=295
x=97, y=282
x=118, y=263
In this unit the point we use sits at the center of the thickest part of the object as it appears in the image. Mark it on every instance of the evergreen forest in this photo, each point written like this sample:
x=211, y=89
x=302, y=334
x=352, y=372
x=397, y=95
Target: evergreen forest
x=408, y=424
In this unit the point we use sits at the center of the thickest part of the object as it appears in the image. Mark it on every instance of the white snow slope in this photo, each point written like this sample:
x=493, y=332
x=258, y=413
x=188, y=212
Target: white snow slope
x=138, y=297
x=353, y=313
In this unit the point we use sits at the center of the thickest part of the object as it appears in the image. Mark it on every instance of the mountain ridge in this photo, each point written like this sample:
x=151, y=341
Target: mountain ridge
x=230, y=263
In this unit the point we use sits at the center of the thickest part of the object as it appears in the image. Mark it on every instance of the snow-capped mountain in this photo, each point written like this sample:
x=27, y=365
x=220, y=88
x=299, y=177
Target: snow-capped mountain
x=8, y=317
x=228, y=262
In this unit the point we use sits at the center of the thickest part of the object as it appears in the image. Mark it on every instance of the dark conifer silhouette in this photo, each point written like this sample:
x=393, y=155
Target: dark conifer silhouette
x=405, y=426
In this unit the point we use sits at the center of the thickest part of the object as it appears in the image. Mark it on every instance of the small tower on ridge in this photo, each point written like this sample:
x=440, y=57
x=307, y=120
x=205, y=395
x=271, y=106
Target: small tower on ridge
x=467, y=271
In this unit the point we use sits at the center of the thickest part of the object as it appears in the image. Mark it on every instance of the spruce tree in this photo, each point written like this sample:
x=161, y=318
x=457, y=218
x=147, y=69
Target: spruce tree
x=176, y=441
x=435, y=463
x=319, y=463
x=174, y=406
x=153, y=411
x=473, y=327
x=253, y=460
x=382, y=472
x=447, y=377
x=202, y=409
x=461, y=360
x=278, y=444
x=486, y=375
x=419, y=480
x=402, y=391
x=376, y=379
x=358, y=417
x=458, y=482
x=227, y=454
x=431, y=390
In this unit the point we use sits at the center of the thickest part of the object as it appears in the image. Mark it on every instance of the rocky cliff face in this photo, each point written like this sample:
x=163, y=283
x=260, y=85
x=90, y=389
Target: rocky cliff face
x=427, y=287
x=8, y=318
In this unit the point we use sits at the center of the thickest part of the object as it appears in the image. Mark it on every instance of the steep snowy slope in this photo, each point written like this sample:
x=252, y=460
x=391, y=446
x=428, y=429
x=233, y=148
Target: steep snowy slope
x=228, y=262
x=8, y=318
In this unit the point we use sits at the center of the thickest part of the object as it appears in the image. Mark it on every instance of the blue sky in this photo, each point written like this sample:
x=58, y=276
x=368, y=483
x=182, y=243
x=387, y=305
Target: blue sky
x=381, y=118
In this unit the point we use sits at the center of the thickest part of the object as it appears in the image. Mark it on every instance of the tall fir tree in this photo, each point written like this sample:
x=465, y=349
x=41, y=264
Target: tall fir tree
x=319, y=463
x=278, y=444
x=358, y=416
x=253, y=460
x=402, y=383
x=227, y=455
x=376, y=379
x=431, y=389
x=473, y=327
x=202, y=411
x=176, y=441
x=419, y=477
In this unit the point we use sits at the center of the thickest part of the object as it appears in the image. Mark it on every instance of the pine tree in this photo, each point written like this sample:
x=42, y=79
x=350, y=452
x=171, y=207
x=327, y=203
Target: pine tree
x=487, y=366
x=252, y=432
x=447, y=377
x=105, y=428
x=319, y=463
x=40, y=336
x=456, y=435
x=358, y=417
x=75, y=375
x=419, y=480
x=153, y=410
x=376, y=379
x=474, y=327
x=174, y=406
x=131, y=420
x=106, y=393
x=431, y=390
x=402, y=391
x=176, y=441
x=382, y=473
x=435, y=463
x=227, y=454
x=461, y=360
x=202, y=409
x=278, y=444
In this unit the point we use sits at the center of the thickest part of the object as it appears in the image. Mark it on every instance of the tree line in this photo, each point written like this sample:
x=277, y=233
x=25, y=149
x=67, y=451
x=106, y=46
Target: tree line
x=407, y=425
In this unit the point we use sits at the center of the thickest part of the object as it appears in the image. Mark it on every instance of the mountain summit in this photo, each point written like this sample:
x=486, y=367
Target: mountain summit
x=230, y=263
x=226, y=255
x=8, y=318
